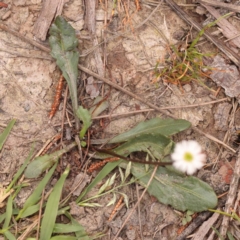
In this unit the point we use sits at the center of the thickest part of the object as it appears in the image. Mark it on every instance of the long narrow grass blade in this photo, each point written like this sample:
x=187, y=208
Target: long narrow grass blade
x=102, y=174
x=51, y=209
x=64, y=237
x=5, y=133
x=2, y=217
x=9, y=235
x=81, y=234
x=9, y=210
x=36, y=195
x=8, y=216
x=66, y=228
x=30, y=211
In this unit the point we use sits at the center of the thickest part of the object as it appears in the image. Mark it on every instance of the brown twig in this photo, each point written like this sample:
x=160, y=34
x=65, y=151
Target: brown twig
x=49, y=145
x=163, y=108
x=25, y=39
x=229, y=6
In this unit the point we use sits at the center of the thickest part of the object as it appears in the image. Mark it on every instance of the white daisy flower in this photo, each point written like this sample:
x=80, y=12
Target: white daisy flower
x=188, y=157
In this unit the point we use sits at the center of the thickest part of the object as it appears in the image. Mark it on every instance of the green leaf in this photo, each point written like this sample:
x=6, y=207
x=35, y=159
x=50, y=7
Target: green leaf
x=166, y=127
x=230, y=236
x=6, y=132
x=63, y=43
x=51, y=209
x=63, y=237
x=30, y=210
x=156, y=145
x=66, y=228
x=9, y=210
x=184, y=221
x=85, y=116
x=81, y=234
x=40, y=164
x=173, y=188
x=188, y=218
x=8, y=216
x=9, y=235
x=36, y=195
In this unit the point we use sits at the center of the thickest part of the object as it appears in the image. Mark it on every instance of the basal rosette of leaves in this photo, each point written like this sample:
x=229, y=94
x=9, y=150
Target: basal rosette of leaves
x=169, y=185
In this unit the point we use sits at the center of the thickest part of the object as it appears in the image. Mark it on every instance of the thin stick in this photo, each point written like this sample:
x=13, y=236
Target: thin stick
x=135, y=206
x=139, y=213
x=25, y=39
x=229, y=6
x=164, y=108
x=63, y=112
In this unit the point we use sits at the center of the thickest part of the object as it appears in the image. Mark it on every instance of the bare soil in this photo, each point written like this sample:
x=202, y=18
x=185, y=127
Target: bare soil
x=133, y=43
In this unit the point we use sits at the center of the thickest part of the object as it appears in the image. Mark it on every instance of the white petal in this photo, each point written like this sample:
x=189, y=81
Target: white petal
x=191, y=171
x=193, y=148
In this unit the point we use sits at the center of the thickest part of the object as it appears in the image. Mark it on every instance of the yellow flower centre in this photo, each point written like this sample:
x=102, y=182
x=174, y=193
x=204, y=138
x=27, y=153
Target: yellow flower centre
x=188, y=157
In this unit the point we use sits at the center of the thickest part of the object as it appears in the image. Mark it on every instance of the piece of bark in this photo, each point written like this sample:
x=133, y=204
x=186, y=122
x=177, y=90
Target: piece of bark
x=228, y=30
x=226, y=76
x=50, y=9
x=231, y=197
x=221, y=116
x=205, y=227
x=194, y=225
x=90, y=16
x=229, y=6
x=90, y=20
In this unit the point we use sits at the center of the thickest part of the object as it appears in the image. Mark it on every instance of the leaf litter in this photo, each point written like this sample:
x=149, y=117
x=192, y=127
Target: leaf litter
x=136, y=77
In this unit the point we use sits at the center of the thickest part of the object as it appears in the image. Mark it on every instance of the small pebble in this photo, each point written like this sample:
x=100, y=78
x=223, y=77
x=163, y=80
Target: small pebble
x=187, y=87
x=6, y=15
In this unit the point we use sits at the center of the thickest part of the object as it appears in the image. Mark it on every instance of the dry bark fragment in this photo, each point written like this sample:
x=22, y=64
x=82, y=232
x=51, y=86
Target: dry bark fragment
x=228, y=30
x=50, y=9
x=231, y=197
x=226, y=76
x=229, y=6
